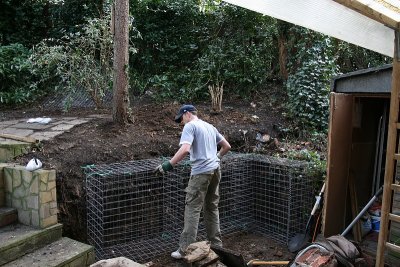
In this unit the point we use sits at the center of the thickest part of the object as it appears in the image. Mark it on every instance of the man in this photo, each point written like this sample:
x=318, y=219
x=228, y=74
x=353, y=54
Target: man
x=200, y=139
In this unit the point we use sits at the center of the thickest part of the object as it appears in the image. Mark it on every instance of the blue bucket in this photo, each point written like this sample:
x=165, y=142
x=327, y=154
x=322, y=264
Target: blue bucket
x=376, y=223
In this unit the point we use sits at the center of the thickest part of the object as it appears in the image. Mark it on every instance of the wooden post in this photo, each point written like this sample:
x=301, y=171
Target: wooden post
x=390, y=159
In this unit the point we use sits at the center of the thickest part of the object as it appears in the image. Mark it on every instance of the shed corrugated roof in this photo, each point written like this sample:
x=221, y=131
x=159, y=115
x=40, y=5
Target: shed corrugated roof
x=366, y=23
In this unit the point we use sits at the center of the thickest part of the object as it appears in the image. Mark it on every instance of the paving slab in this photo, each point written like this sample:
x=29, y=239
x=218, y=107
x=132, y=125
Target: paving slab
x=8, y=123
x=42, y=131
x=46, y=135
x=63, y=252
x=62, y=127
x=32, y=126
x=76, y=122
x=15, y=131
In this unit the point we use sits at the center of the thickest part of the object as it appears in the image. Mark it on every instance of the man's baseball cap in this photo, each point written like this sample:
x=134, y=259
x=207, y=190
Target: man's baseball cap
x=183, y=110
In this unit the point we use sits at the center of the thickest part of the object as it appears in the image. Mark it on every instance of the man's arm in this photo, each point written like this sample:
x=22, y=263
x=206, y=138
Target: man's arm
x=225, y=147
x=180, y=154
x=169, y=164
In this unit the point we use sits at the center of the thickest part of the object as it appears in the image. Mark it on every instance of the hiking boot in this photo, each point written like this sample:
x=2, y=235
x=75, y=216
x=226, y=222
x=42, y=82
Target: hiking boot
x=177, y=255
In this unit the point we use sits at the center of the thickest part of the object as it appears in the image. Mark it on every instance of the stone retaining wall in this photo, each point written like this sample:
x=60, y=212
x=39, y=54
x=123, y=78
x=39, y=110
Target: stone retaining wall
x=2, y=186
x=33, y=194
x=10, y=149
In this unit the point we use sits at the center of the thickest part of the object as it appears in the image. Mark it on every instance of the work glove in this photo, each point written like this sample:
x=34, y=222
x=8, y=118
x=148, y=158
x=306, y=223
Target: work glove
x=219, y=155
x=163, y=168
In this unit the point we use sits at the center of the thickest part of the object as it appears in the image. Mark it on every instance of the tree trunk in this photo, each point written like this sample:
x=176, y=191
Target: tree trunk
x=283, y=31
x=121, y=111
x=282, y=57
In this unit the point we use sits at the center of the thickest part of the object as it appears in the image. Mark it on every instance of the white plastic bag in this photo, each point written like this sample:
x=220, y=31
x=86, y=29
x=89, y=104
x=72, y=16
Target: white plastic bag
x=33, y=164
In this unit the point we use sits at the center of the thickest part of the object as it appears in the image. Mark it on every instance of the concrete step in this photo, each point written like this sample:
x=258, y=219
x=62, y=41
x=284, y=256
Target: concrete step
x=64, y=252
x=8, y=216
x=18, y=240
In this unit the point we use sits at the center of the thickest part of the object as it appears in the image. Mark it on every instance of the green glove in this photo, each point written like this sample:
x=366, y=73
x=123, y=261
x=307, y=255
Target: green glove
x=163, y=168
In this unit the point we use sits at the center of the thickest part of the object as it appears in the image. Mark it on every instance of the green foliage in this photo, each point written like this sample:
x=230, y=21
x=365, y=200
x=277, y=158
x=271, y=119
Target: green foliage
x=351, y=57
x=28, y=22
x=82, y=60
x=317, y=165
x=15, y=76
x=312, y=66
x=185, y=47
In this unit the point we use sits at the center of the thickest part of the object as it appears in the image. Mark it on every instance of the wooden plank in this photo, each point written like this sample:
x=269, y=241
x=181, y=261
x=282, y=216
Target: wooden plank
x=26, y=139
x=374, y=11
x=339, y=148
x=394, y=217
x=390, y=163
x=354, y=208
x=393, y=247
x=396, y=187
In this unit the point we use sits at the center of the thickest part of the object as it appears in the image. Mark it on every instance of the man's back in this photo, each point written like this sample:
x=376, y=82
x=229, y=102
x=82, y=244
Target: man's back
x=203, y=138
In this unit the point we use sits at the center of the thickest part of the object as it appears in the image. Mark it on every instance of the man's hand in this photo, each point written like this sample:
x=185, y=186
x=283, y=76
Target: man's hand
x=163, y=168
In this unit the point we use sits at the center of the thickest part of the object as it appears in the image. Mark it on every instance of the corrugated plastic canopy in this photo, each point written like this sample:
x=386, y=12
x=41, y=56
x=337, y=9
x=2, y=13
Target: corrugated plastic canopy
x=366, y=23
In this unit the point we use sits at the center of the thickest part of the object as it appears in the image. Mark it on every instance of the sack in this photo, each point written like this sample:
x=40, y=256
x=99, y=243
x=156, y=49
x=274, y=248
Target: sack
x=344, y=253
x=315, y=255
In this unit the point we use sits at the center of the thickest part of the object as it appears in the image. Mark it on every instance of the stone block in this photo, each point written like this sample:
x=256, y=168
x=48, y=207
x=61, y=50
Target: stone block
x=91, y=258
x=43, y=187
x=43, y=176
x=33, y=202
x=44, y=211
x=34, y=186
x=53, y=211
x=8, y=200
x=54, y=194
x=8, y=180
x=45, y=197
x=78, y=262
x=16, y=203
x=19, y=192
x=5, y=154
x=35, y=218
x=24, y=217
x=53, y=205
x=46, y=222
x=2, y=198
x=51, y=185
x=26, y=175
x=52, y=175
x=16, y=181
x=2, y=165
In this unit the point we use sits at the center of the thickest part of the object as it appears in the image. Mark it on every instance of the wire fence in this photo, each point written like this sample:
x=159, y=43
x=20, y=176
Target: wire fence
x=134, y=213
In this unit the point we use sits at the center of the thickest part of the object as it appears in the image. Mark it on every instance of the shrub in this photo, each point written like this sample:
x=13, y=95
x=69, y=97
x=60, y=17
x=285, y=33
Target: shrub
x=311, y=68
x=79, y=61
x=15, y=76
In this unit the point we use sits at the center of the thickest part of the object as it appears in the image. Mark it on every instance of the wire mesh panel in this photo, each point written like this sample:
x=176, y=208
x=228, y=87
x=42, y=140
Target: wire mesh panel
x=134, y=213
x=235, y=207
x=282, y=197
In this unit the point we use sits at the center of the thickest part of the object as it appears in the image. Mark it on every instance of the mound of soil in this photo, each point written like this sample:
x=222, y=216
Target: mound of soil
x=248, y=126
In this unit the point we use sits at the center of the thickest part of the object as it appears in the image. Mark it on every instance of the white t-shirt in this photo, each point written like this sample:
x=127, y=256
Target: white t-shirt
x=203, y=138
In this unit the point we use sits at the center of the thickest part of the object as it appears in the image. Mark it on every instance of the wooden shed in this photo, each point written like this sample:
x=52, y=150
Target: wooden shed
x=358, y=126
x=375, y=25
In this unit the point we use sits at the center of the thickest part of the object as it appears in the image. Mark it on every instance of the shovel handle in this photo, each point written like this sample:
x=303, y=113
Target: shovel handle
x=258, y=262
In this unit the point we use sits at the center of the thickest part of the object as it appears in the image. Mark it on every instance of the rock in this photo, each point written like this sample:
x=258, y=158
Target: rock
x=263, y=138
x=211, y=258
x=117, y=262
x=197, y=251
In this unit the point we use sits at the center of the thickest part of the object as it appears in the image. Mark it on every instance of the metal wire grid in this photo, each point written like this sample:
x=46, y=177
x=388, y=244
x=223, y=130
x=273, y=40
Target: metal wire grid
x=282, y=197
x=77, y=99
x=133, y=213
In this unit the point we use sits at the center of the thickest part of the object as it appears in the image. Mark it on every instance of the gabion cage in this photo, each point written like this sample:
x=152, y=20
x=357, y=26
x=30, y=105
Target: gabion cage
x=134, y=213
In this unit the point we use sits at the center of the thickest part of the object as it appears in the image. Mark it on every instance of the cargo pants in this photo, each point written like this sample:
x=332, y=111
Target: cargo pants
x=202, y=192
